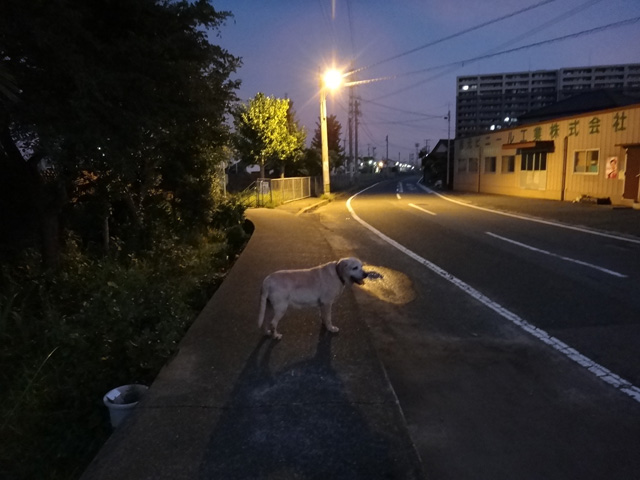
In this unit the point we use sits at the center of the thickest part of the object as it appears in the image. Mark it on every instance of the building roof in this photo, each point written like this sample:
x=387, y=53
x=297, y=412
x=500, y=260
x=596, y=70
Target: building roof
x=590, y=101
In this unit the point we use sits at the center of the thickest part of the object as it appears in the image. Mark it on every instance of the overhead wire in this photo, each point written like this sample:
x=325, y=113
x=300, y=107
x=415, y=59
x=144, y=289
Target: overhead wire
x=457, y=34
x=580, y=8
x=454, y=65
x=401, y=110
x=570, y=13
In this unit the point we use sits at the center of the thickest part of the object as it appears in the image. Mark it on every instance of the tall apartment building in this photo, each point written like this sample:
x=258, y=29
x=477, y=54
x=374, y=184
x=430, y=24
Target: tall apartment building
x=490, y=102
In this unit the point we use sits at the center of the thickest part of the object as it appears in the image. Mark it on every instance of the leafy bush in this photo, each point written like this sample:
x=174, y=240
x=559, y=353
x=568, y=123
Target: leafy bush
x=69, y=337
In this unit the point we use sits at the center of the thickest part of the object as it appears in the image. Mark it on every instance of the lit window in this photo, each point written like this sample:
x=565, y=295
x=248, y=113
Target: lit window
x=586, y=161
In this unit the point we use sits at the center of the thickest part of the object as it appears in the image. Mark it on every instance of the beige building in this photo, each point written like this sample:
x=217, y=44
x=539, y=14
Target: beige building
x=595, y=154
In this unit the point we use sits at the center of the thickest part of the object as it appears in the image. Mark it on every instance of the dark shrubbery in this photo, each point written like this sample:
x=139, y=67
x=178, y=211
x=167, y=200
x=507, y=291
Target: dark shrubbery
x=98, y=322
x=112, y=145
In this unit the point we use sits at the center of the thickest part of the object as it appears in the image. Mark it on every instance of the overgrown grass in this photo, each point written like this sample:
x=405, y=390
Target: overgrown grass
x=66, y=339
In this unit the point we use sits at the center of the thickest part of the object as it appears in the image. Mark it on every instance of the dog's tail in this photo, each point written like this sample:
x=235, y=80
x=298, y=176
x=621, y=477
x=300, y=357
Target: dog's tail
x=263, y=305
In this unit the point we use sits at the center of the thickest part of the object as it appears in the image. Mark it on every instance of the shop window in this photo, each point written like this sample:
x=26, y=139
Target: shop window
x=586, y=161
x=489, y=164
x=508, y=163
x=533, y=161
x=473, y=165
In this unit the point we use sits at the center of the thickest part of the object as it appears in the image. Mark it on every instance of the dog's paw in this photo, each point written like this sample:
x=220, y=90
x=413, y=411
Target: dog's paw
x=333, y=329
x=277, y=336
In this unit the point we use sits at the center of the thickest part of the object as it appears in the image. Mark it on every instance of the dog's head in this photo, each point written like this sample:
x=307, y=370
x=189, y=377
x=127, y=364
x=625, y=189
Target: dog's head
x=350, y=271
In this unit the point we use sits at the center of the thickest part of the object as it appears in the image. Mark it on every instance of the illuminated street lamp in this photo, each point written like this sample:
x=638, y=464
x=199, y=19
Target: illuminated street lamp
x=331, y=80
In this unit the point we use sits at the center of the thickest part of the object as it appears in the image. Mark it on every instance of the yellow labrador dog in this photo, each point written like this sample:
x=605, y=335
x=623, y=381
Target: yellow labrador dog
x=318, y=286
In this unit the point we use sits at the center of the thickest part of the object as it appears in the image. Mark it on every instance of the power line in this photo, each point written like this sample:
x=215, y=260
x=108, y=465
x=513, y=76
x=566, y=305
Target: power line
x=401, y=110
x=578, y=9
x=454, y=65
x=537, y=44
x=460, y=33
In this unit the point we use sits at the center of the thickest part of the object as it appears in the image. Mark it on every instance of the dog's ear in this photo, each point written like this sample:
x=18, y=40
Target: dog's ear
x=343, y=269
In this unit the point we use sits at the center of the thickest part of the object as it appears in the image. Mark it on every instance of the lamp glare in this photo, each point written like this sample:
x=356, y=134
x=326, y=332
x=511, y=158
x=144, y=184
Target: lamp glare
x=332, y=79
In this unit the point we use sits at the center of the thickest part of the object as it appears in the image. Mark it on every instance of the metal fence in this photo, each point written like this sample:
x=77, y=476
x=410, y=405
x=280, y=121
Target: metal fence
x=276, y=191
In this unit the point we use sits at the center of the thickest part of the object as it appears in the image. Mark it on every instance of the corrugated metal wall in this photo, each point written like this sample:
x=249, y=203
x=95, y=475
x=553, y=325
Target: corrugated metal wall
x=603, y=131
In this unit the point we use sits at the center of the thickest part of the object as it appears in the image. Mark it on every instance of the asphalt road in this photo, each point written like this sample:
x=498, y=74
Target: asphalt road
x=512, y=345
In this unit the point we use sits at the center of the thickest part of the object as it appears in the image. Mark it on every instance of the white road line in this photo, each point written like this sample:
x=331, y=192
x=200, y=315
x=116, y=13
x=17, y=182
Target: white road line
x=568, y=259
x=531, y=219
x=422, y=209
x=598, y=370
x=398, y=196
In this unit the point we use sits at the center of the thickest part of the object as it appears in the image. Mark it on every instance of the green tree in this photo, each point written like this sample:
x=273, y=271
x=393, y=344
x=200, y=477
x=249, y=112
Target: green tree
x=120, y=104
x=299, y=135
x=334, y=133
x=266, y=132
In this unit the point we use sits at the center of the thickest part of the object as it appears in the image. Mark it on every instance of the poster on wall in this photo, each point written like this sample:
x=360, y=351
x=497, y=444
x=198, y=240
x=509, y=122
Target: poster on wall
x=612, y=167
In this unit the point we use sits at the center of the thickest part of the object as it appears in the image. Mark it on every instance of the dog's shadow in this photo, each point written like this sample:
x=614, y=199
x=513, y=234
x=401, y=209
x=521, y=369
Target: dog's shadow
x=295, y=423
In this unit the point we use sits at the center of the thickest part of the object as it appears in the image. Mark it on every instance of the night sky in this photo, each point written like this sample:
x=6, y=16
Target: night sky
x=284, y=44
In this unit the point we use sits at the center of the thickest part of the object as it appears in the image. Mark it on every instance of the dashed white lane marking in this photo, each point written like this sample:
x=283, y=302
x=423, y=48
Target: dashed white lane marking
x=422, y=209
x=551, y=254
x=598, y=370
x=532, y=219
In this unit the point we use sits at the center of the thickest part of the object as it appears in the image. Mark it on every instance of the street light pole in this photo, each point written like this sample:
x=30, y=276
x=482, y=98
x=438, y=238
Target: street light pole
x=329, y=81
x=326, y=179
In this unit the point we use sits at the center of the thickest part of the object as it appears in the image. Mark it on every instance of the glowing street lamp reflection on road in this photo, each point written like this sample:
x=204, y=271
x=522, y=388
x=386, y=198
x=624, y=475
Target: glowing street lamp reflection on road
x=331, y=80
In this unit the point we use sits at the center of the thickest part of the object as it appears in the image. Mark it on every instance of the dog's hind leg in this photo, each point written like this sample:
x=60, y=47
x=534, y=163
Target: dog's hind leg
x=278, y=313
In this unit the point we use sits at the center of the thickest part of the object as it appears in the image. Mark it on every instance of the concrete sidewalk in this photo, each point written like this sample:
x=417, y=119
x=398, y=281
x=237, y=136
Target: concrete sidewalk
x=233, y=405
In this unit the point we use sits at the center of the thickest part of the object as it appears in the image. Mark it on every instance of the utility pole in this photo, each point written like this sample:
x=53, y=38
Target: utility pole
x=356, y=110
x=387, y=141
x=352, y=163
x=449, y=148
x=326, y=178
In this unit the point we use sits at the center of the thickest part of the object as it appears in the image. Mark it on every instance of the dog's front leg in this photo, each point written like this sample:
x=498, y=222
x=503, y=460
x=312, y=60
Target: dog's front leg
x=325, y=314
